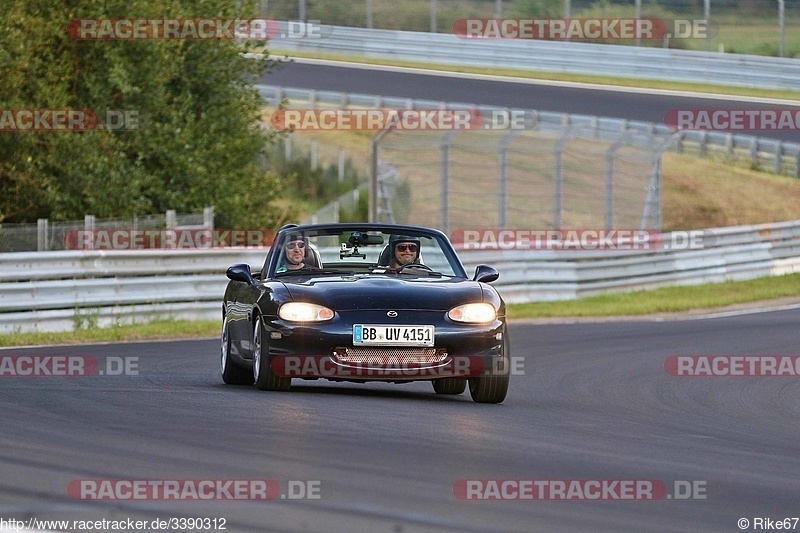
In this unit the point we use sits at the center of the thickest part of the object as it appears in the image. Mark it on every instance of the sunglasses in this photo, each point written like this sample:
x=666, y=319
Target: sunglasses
x=407, y=247
x=293, y=245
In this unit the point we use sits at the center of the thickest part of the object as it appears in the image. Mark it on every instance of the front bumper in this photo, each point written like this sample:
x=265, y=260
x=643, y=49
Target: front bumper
x=315, y=351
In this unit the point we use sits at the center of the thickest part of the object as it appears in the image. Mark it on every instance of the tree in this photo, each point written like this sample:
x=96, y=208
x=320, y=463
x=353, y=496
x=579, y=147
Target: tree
x=198, y=141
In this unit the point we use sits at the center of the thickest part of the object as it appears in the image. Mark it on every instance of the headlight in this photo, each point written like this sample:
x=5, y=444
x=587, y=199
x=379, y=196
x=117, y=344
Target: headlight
x=304, y=312
x=480, y=313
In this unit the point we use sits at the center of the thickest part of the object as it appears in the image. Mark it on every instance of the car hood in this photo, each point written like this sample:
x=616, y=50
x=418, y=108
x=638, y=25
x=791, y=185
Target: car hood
x=384, y=292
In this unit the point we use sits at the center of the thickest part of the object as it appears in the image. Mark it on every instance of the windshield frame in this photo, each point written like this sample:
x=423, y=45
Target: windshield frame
x=271, y=264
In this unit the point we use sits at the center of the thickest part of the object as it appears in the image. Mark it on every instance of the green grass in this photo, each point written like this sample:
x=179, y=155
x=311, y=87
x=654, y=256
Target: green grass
x=167, y=329
x=666, y=300
x=555, y=76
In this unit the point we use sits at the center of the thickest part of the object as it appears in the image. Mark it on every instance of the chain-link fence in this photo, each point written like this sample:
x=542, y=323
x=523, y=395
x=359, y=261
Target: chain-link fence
x=540, y=178
x=48, y=235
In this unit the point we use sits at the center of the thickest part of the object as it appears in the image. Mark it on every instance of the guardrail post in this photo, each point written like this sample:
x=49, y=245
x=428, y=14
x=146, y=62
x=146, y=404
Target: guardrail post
x=557, y=175
x=797, y=165
x=754, y=151
x=287, y=148
x=208, y=218
x=341, y=164
x=313, y=154
x=701, y=150
x=373, y=175
x=653, y=201
x=501, y=187
x=171, y=219
x=609, y=218
x=778, y=157
x=313, y=97
x=729, y=145
x=88, y=225
x=502, y=166
x=42, y=240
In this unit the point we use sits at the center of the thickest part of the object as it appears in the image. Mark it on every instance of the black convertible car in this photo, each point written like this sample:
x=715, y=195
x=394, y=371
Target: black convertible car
x=365, y=302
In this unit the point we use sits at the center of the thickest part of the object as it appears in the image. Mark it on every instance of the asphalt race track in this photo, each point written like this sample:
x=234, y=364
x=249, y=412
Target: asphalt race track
x=600, y=102
x=594, y=403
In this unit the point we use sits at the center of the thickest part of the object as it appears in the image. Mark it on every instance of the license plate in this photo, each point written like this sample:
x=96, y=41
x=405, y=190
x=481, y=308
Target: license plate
x=367, y=334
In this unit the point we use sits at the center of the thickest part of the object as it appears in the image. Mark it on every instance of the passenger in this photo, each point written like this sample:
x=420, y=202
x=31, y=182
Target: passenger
x=404, y=250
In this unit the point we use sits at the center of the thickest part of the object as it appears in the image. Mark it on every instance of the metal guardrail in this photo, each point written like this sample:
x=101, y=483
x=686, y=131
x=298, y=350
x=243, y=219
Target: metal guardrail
x=551, y=56
x=768, y=154
x=55, y=291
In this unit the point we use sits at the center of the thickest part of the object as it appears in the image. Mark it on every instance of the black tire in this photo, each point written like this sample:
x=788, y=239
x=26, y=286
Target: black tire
x=262, y=373
x=232, y=374
x=492, y=387
x=450, y=385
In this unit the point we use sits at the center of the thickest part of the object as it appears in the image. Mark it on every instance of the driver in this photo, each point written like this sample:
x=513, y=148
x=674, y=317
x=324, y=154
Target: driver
x=294, y=253
x=404, y=250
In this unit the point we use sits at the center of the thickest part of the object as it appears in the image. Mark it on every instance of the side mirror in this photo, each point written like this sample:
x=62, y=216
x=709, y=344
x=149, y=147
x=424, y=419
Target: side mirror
x=241, y=272
x=486, y=274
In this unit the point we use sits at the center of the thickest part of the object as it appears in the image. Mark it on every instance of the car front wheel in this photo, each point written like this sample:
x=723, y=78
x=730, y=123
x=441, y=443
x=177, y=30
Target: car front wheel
x=263, y=376
x=492, y=386
x=232, y=374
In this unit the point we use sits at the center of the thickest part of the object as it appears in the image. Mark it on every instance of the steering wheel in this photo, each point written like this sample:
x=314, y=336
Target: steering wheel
x=414, y=265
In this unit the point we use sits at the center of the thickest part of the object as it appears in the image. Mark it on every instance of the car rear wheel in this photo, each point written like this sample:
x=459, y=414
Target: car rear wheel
x=450, y=385
x=232, y=374
x=263, y=376
x=492, y=386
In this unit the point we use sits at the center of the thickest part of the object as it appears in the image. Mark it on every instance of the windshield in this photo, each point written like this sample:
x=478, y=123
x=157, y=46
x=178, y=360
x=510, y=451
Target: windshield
x=385, y=251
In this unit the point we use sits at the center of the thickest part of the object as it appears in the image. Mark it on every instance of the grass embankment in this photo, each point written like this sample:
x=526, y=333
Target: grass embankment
x=169, y=329
x=665, y=300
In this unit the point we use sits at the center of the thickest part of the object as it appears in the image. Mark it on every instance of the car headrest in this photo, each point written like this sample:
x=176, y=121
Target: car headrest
x=312, y=257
